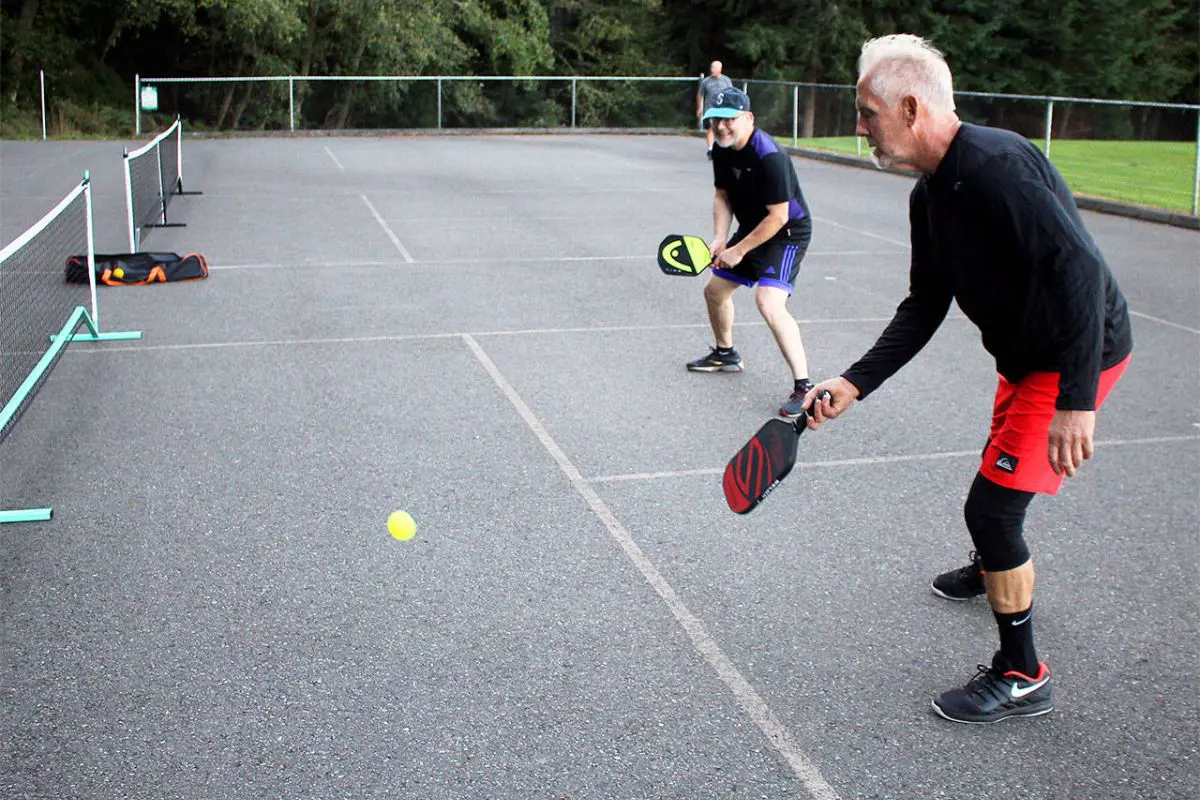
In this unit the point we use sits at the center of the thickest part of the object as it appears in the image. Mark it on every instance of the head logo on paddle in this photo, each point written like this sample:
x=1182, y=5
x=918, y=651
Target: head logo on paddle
x=683, y=255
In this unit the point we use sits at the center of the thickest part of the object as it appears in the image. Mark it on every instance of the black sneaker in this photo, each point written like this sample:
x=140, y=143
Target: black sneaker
x=794, y=406
x=717, y=362
x=996, y=693
x=962, y=583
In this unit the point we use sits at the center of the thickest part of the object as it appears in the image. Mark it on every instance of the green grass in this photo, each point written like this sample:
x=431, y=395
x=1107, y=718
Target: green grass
x=1157, y=174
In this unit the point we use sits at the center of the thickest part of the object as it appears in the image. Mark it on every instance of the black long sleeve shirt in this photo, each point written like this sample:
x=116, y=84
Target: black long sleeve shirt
x=996, y=229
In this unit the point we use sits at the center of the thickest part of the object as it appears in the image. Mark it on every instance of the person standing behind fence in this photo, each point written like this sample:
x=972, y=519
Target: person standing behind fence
x=995, y=228
x=710, y=87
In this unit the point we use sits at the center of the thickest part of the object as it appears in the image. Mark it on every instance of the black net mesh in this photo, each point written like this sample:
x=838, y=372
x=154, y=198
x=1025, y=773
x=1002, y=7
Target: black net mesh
x=145, y=191
x=36, y=301
x=154, y=178
x=168, y=148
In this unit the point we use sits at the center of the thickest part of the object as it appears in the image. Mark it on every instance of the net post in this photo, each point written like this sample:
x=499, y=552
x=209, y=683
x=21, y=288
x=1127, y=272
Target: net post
x=179, y=155
x=573, y=96
x=91, y=247
x=796, y=113
x=129, y=202
x=137, y=104
x=162, y=195
x=439, y=104
x=291, y=104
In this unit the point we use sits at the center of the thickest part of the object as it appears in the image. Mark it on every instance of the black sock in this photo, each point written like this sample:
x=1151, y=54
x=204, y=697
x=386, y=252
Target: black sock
x=1016, y=640
x=803, y=383
x=725, y=350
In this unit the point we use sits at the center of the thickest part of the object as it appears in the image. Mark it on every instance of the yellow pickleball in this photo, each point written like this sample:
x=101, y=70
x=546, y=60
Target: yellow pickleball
x=118, y=273
x=401, y=525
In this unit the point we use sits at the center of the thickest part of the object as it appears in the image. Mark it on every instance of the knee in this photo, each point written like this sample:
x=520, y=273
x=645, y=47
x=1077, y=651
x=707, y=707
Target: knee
x=714, y=294
x=772, y=303
x=995, y=517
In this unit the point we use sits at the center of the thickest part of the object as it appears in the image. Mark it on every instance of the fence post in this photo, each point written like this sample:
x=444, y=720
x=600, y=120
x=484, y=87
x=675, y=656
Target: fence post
x=137, y=104
x=42, y=82
x=795, y=113
x=573, y=103
x=1049, y=123
x=439, y=83
x=291, y=103
x=1196, y=179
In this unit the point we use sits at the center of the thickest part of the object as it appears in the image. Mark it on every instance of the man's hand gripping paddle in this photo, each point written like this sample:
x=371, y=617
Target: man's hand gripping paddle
x=683, y=255
x=763, y=462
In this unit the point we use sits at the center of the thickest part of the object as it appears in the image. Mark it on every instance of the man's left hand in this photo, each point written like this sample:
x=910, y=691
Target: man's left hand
x=730, y=257
x=1071, y=440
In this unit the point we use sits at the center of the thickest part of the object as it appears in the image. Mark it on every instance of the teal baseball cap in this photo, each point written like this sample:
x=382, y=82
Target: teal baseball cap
x=728, y=103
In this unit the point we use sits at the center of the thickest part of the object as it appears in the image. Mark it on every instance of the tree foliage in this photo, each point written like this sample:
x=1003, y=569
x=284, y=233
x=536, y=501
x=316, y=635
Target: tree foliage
x=91, y=49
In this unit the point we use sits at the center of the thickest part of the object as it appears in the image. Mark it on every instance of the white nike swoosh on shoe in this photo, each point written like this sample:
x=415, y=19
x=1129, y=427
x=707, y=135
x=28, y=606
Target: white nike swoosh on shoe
x=1021, y=691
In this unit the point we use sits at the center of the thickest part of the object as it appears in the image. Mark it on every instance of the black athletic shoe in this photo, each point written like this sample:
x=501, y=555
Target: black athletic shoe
x=997, y=693
x=795, y=404
x=962, y=583
x=717, y=362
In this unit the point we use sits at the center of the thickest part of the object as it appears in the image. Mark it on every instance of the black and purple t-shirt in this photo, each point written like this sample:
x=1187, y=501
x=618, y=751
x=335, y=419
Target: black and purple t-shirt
x=759, y=175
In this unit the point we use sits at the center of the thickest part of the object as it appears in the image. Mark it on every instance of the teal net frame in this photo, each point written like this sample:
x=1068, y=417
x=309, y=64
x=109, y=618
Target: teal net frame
x=69, y=332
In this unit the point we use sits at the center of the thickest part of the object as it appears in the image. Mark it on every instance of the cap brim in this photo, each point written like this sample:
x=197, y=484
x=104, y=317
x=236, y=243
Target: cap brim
x=724, y=113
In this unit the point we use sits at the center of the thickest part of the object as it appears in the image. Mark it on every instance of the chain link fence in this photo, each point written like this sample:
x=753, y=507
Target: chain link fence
x=1133, y=152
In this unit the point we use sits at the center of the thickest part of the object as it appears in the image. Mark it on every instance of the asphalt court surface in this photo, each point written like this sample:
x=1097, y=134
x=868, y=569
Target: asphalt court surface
x=473, y=328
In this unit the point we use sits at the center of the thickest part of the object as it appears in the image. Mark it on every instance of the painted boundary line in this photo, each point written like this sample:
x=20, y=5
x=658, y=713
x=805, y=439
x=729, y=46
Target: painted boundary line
x=501, y=260
x=1164, y=322
x=395, y=239
x=759, y=712
x=853, y=462
x=335, y=159
x=408, y=337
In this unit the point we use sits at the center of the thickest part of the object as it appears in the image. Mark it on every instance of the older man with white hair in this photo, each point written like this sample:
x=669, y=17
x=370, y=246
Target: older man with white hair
x=994, y=228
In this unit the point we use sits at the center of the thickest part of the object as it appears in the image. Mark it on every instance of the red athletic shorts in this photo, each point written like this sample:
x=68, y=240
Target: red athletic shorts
x=1017, y=455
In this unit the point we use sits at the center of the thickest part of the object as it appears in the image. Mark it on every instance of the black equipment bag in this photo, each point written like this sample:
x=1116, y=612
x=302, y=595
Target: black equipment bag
x=136, y=269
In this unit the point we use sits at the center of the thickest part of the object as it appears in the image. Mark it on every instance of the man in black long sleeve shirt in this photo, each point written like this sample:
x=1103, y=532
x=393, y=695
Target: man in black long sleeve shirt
x=995, y=228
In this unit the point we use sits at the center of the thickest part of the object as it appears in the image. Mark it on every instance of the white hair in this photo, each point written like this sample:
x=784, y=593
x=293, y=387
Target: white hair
x=902, y=64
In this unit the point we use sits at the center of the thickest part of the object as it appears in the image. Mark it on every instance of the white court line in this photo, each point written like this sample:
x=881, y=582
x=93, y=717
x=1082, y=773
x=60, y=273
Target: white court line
x=500, y=260
x=747, y=697
x=408, y=337
x=335, y=159
x=1163, y=321
x=860, y=231
x=850, y=462
x=395, y=239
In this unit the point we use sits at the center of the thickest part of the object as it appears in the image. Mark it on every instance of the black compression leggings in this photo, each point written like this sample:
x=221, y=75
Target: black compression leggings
x=996, y=519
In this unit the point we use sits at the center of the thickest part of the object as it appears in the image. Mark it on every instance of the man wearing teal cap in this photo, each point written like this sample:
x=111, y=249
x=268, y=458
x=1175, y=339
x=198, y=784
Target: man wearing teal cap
x=755, y=183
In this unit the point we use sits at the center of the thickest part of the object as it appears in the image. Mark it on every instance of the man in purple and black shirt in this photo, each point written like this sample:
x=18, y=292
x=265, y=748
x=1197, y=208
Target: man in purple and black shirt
x=756, y=183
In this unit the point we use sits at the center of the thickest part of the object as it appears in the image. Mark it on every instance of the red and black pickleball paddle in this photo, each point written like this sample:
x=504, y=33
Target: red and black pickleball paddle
x=763, y=462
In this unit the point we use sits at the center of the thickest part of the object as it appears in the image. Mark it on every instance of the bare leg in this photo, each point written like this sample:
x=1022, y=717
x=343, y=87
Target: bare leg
x=718, y=294
x=1010, y=591
x=772, y=304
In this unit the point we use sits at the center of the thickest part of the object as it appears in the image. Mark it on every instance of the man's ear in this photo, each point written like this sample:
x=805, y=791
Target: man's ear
x=908, y=107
